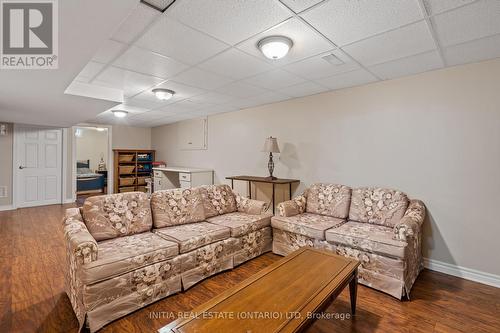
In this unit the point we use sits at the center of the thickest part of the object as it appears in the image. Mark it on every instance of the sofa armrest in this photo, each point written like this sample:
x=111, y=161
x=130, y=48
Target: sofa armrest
x=292, y=207
x=250, y=206
x=79, y=242
x=410, y=224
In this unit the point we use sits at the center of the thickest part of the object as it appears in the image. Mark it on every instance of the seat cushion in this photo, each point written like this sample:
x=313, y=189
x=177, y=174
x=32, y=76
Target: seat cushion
x=177, y=206
x=115, y=215
x=368, y=237
x=218, y=199
x=329, y=199
x=194, y=235
x=307, y=224
x=377, y=205
x=120, y=255
x=242, y=223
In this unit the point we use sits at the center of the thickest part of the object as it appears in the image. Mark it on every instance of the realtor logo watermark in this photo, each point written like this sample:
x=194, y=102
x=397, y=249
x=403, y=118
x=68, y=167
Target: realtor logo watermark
x=29, y=34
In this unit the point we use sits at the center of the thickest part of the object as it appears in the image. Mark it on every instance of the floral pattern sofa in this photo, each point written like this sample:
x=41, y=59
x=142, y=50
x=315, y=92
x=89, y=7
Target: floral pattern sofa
x=125, y=251
x=380, y=227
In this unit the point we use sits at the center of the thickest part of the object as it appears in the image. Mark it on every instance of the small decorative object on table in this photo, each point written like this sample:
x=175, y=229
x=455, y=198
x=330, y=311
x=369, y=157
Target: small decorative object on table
x=271, y=146
x=102, y=165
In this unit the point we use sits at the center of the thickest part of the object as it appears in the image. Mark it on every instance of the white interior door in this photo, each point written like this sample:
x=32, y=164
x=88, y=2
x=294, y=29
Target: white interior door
x=39, y=166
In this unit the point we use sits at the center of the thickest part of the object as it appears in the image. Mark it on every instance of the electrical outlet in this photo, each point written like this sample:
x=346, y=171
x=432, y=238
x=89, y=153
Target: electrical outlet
x=3, y=191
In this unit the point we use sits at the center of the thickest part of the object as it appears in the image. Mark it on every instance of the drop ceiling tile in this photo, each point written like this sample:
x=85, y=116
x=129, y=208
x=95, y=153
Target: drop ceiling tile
x=135, y=23
x=437, y=6
x=316, y=67
x=235, y=64
x=150, y=115
x=140, y=103
x=215, y=110
x=300, y=5
x=303, y=89
x=407, y=66
x=229, y=20
x=175, y=40
x=347, y=21
x=89, y=71
x=200, y=78
x=306, y=42
x=147, y=62
x=241, y=90
x=275, y=79
x=181, y=107
x=132, y=110
x=478, y=20
x=476, y=50
x=130, y=82
x=212, y=98
x=268, y=98
x=109, y=51
x=412, y=39
x=346, y=80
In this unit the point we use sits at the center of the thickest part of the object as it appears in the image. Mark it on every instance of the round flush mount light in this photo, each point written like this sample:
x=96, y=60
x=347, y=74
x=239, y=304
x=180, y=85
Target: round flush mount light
x=120, y=113
x=275, y=47
x=163, y=94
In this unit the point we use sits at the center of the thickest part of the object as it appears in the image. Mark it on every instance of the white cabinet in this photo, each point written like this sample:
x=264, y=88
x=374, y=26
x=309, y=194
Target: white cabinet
x=181, y=177
x=193, y=134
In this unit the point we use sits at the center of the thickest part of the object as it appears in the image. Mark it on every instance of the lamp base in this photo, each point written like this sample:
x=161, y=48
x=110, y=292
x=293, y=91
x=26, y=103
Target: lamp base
x=271, y=178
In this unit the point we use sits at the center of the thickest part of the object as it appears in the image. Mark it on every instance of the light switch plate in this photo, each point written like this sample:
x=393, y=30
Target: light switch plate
x=3, y=191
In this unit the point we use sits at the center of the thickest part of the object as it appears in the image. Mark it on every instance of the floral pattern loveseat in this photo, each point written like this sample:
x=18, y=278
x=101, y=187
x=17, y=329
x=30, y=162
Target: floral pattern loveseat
x=125, y=251
x=380, y=227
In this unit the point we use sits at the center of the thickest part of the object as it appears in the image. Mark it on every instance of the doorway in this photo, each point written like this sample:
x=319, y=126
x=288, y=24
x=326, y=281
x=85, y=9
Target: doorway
x=92, y=161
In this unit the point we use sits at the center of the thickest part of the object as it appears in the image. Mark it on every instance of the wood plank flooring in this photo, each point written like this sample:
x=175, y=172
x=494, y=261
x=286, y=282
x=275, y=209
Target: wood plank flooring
x=32, y=297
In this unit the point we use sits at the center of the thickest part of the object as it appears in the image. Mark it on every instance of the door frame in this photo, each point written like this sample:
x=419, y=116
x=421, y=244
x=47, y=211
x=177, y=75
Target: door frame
x=15, y=162
x=109, y=162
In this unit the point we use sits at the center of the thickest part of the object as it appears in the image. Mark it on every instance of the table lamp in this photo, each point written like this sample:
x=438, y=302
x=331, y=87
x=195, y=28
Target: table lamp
x=271, y=146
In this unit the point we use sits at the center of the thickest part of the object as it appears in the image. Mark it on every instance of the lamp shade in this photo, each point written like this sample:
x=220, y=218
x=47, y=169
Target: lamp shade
x=271, y=145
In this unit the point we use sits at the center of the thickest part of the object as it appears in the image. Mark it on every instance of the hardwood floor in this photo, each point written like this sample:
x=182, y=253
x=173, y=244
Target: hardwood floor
x=32, y=297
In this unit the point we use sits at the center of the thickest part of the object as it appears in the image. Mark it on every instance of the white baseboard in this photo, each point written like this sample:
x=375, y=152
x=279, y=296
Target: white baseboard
x=67, y=201
x=463, y=272
x=6, y=207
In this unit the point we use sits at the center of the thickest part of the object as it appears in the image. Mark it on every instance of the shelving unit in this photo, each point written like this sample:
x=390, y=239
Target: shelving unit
x=132, y=168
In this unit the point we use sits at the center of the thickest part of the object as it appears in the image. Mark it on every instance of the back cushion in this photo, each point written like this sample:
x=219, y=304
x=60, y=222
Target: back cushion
x=377, y=205
x=177, y=206
x=218, y=200
x=116, y=215
x=329, y=199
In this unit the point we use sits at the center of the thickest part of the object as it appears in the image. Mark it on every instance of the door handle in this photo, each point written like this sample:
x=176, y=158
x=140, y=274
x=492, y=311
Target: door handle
x=22, y=167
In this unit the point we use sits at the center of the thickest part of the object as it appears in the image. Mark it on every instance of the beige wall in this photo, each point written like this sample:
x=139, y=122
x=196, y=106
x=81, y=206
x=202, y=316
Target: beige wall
x=435, y=136
x=6, y=164
x=126, y=137
x=92, y=145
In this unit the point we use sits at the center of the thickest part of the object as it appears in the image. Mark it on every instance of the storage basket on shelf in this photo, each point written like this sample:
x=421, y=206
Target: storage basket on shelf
x=126, y=157
x=125, y=169
x=127, y=189
x=127, y=181
x=142, y=189
x=141, y=180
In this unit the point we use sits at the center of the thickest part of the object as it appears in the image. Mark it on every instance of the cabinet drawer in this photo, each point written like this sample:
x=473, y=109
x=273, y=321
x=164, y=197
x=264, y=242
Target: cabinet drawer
x=158, y=174
x=185, y=184
x=185, y=177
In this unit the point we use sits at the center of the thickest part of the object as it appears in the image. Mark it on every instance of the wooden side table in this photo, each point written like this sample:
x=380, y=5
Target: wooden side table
x=274, y=182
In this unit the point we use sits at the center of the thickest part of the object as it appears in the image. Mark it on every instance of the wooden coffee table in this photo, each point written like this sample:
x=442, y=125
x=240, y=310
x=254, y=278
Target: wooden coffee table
x=281, y=298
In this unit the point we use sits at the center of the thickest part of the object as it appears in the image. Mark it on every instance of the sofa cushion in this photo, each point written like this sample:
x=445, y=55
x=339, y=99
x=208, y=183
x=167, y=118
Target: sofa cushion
x=242, y=223
x=329, y=199
x=307, y=224
x=115, y=215
x=377, y=205
x=368, y=237
x=177, y=206
x=218, y=199
x=120, y=255
x=194, y=235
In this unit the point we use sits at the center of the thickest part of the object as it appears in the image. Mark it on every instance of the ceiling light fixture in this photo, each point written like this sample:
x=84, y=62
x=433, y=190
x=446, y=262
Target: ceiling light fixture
x=163, y=94
x=159, y=5
x=275, y=47
x=120, y=113
x=100, y=129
